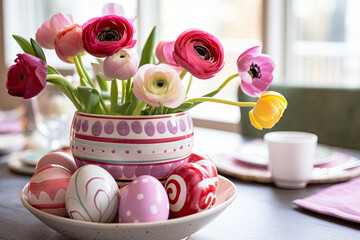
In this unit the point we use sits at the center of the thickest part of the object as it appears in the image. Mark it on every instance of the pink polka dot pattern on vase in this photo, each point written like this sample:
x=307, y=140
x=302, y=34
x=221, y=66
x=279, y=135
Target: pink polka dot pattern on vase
x=172, y=126
x=189, y=122
x=85, y=126
x=142, y=170
x=129, y=171
x=109, y=127
x=182, y=125
x=96, y=128
x=161, y=171
x=136, y=127
x=123, y=128
x=160, y=127
x=78, y=125
x=149, y=128
x=116, y=172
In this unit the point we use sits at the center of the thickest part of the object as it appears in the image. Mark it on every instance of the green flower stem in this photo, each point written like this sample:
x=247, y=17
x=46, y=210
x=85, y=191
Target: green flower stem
x=104, y=105
x=66, y=87
x=128, y=90
x=84, y=71
x=227, y=81
x=189, y=85
x=114, y=92
x=123, y=90
x=182, y=74
x=152, y=110
x=138, y=108
x=210, y=99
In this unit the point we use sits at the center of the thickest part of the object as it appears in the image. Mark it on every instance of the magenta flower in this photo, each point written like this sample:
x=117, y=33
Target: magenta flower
x=68, y=43
x=27, y=78
x=154, y=84
x=199, y=52
x=255, y=70
x=164, y=52
x=46, y=34
x=104, y=36
x=121, y=65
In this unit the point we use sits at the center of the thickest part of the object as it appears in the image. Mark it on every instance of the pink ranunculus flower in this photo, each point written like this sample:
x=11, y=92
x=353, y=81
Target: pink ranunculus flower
x=199, y=52
x=113, y=9
x=98, y=69
x=47, y=32
x=255, y=70
x=68, y=43
x=27, y=78
x=121, y=65
x=154, y=84
x=164, y=52
x=104, y=36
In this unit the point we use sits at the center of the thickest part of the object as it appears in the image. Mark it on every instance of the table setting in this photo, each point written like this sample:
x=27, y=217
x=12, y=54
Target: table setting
x=135, y=166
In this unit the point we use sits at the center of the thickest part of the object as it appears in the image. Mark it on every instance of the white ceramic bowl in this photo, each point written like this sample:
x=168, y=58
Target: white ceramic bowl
x=178, y=228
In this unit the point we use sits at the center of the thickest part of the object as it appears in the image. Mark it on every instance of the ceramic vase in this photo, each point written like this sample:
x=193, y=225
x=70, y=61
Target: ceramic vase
x=131, y=146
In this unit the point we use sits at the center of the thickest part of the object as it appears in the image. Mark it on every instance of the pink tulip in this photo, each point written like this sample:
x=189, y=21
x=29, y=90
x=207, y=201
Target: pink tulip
x=255, y=70
x=68, y=43
x=154, y=84
x=98, y=69
x=113, y=9
x=27, y=78
x=106, y=35
x=121, y=65
x=199, y=52
x=46, y=34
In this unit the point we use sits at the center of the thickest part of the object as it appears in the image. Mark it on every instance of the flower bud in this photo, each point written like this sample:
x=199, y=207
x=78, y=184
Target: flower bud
x=121, y=65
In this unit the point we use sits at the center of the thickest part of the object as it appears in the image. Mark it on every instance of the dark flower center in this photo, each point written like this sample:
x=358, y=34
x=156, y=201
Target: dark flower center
x=109, y=35
x=21, y=76
x=202, y=52
x=160, y=83
x=255, y=71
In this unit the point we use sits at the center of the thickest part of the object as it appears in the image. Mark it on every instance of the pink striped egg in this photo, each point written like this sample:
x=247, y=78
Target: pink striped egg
x=47, y=189
x=190, y=190
x=60, y=158
x=207, y=163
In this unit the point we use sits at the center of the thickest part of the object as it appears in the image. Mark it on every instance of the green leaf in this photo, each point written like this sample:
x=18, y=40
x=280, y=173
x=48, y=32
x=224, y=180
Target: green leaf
x=159, y=110
x=120, y=109
x=37, y=49
x=102, y=84
x=134, y=102
x=148, y=50
x=24, y=44
x=183, y=107
x=90, y=100
x=52, y=70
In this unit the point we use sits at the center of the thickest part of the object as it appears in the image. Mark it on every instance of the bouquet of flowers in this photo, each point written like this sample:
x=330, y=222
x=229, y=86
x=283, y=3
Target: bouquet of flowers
x=148, y=86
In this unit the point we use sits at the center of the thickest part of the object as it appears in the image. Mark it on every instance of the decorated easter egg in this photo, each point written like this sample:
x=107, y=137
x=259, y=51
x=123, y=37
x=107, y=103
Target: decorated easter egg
x=190, y=190
x=144, y=200
x=92, y=195
x=207, y=163
x=60, y=158
x=47, y=189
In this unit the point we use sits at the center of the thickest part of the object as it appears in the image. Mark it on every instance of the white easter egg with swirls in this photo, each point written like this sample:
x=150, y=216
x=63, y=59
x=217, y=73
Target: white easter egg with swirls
x=92, y=195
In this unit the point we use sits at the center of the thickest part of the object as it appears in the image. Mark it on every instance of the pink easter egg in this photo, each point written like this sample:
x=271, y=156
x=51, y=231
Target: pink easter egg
x=60, y=158
x=144, y=200
x=47, y=188
x=190, y=190
x=206, y=162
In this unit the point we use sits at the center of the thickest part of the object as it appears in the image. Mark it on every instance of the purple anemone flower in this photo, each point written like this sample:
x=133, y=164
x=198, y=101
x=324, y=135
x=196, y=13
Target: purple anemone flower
x=255, y=70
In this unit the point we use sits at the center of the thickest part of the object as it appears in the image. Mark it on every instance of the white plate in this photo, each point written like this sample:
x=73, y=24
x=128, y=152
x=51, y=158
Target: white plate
x=178, y=228
x=11, y=142
x=16, y=165
x=256, y=153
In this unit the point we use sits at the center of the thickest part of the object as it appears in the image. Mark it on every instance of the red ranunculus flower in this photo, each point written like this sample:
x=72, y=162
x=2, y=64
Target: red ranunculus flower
x=199, y=52
x=104, y=36
x=27, y=78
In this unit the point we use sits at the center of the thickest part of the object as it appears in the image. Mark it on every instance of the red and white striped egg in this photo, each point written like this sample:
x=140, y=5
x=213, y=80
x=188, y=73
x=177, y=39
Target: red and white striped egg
x=190, y=190
x=47, y=189
x=207, y=163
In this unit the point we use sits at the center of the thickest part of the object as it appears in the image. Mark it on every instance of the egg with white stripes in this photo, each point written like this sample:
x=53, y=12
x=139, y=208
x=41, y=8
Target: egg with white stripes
x=190, y=189
x=144, y=200
x=207, y=163
x=92, y=195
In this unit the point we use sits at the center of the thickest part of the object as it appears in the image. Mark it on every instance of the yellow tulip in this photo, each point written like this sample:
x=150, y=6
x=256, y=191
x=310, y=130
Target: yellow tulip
x=268, y=110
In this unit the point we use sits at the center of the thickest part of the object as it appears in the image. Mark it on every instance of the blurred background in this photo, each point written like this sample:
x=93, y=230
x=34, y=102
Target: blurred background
x=313, y=42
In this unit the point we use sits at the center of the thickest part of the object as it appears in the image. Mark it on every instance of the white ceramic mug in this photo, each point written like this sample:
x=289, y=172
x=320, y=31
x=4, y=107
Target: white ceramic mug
x=291, y=157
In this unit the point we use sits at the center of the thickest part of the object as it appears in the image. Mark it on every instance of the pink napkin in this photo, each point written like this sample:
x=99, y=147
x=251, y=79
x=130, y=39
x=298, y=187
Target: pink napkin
x=340, y=200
